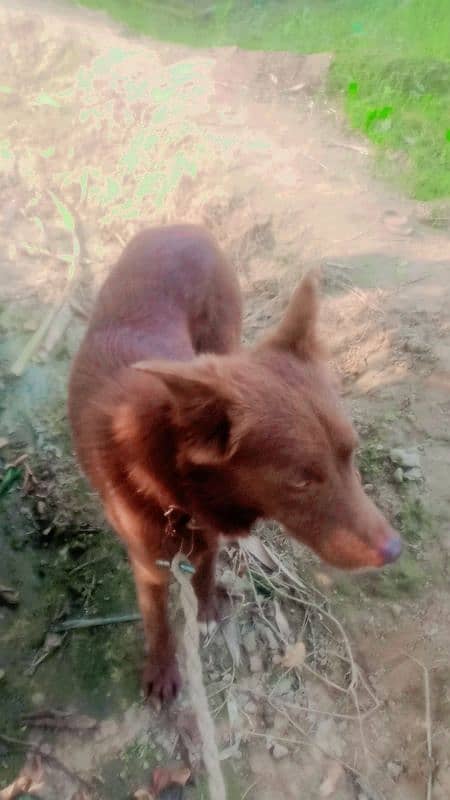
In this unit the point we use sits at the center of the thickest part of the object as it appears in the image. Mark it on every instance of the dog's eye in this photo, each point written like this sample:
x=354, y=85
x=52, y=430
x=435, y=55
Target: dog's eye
x=309, y=477
x=299, y=485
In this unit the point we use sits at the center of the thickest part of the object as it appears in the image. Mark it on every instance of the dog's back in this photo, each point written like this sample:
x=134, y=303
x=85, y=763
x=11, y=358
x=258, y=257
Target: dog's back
x=171, y=295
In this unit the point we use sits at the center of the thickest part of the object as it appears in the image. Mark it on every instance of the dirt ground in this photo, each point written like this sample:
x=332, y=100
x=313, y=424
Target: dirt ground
x=102, y=134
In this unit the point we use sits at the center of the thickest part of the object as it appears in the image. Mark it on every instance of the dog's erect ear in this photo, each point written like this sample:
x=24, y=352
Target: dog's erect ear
x=203, y=410
x=297, y=331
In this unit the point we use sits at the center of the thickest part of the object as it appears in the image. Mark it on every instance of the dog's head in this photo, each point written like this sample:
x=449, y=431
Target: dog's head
x=262, y=433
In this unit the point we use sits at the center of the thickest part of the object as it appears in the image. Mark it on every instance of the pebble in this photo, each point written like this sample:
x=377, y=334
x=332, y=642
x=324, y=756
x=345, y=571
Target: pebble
x=279, y=751
x=398, y=475
x=251, y=707
x=406, y=458
x=396, y=609
x=414, y=474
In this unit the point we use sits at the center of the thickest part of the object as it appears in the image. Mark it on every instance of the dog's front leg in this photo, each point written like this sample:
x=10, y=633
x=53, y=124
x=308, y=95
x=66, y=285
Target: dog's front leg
x=162, y=679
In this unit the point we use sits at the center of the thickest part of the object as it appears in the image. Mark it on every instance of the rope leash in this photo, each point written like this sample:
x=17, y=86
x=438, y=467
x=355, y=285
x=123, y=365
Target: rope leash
x=199, y=700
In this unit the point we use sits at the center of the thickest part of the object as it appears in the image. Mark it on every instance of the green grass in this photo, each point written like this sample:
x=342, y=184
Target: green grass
x=391, y=64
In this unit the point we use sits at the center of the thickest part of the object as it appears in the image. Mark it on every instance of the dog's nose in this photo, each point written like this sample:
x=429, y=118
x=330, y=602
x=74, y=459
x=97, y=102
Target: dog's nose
x=391, y=549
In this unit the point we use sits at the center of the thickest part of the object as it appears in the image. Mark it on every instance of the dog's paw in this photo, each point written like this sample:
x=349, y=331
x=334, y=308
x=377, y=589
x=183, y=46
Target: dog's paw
x=162, y=681
x=211, y=611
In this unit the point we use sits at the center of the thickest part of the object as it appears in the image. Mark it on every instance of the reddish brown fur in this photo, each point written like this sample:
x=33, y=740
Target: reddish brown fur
x=166, y=410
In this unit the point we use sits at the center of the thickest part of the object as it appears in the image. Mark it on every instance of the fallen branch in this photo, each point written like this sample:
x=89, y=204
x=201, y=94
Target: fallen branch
x=94, y=622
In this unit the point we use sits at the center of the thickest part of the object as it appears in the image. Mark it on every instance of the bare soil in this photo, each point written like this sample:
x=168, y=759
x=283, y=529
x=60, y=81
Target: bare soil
x=126, y=132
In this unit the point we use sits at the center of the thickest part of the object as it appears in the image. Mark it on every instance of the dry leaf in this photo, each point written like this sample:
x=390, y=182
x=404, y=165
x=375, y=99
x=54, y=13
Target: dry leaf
x=163, y=777
x=283, y=624
x=230, y=633
x=329, y=785
x=30, y=782
x=9, y=596
x=295, y=656
x=256, y=548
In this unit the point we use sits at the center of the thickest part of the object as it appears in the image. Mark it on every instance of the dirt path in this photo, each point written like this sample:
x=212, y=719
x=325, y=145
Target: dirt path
x=124, y=132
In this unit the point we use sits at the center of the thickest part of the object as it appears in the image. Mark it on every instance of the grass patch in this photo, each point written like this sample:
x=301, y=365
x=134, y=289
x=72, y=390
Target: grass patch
x=391, y=64
x=413, y=520
x=372, y=461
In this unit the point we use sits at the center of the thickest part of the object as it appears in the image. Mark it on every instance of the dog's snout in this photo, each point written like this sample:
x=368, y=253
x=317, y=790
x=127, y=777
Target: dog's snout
x=391, y=549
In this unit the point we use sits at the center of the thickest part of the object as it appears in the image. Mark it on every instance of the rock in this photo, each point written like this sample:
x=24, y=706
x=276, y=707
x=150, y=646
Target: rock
x=406, y=458
x=251, y=707
x=396, y=610
x=249, y=642
x=256, y=664
x=398, y=475
x=41, y=508
x=395, y=769
x=279, y=751
x=38, y=698
x=414, y=474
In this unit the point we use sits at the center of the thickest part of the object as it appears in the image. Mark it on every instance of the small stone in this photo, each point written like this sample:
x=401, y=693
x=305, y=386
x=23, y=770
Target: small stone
x=398, y=475
x=396, y=609
x=256, y=664
x=406, y=458
x=277, y=659
x=251, y=707
x=414, y=474
x=395, y=769
x=279, y=751
x=37, y=698
x=40, y=508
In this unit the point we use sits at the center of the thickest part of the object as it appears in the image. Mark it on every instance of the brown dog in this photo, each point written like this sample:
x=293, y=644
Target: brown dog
x=188, y=438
